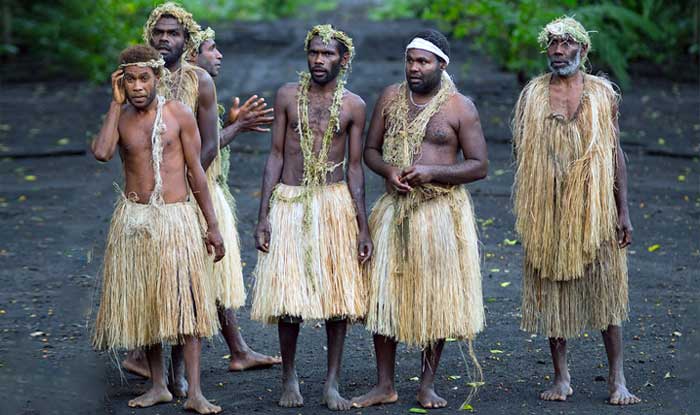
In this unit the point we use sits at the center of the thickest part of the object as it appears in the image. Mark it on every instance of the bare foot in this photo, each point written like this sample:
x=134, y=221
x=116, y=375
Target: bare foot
x=179, y=386
x=137, y=364
x=379, y=395
x=291, y=397
x=427, y=398
x=560, y=390
x=619, y=395
x=335, y=402
x=201, y=405
x=155, y=395
x=252, y=360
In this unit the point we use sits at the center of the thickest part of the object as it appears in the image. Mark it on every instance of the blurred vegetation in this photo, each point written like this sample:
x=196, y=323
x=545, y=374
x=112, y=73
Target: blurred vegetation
x=661, y=32
x=80, y=39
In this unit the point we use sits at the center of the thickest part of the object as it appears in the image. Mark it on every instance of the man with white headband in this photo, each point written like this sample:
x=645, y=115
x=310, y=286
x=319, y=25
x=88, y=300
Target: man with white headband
x=425, y=279
x=570, y=197
x=156, y=287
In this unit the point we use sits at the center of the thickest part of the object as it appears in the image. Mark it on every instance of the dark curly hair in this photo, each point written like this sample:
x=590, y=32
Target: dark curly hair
x=140, y=53
x=436, y=38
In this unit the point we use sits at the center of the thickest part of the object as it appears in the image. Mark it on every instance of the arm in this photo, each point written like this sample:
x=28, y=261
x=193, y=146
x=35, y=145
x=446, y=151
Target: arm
x=471, y=140
x=191, y=145
x=356, y=179
x=624, y=225
x=375, y=141
x=273, y=167
x=252, y=116
x=207, y=118
x=105, y=144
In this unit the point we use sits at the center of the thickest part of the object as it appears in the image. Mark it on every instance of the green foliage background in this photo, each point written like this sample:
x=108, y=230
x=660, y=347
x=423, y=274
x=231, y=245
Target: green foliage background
x=88, y=35
x=662, y=32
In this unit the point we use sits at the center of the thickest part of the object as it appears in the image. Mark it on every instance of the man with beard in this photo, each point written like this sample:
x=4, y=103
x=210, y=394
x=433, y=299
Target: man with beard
x=156, y=288
x=425, y=281
x=312, y=228
x=208, y=57
x=570, y=198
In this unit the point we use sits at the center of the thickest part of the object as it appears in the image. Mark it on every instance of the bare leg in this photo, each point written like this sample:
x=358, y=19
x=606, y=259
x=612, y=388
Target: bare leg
x=561, y=388
x=383, y=392
x=159, y=390
x=242, y=356
x=177, y=381
x=195, y=400
x=335, y=333
x=137, y=363
x=291, y=397
x=430, y=359
x=619, y=395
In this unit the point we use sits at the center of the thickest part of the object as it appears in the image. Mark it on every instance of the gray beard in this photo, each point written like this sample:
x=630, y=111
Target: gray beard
x=569, y=69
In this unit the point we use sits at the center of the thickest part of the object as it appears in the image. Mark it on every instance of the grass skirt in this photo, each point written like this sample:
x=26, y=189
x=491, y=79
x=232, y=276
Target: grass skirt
x=326, y=284
x=227, y=274
x=155, y=287
x=425, y=279
x=567, y=308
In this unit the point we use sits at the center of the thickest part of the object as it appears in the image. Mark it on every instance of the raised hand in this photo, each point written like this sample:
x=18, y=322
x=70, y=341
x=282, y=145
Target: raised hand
x=215, y=244
x=253, y=115
x=118, y=94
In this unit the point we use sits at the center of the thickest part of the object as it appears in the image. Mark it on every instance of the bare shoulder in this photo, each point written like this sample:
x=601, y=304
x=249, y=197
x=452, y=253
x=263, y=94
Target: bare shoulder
x=182, y=112
x=286, y=93
x=202, y=75
x=463, y=105
x=355, y=101
x=390, y=92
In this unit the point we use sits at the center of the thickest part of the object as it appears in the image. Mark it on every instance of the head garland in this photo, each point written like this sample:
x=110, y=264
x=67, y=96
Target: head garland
x=563, y=27
x=183, y=17
x=153, y=63
x=327, y=33
x=201, y=37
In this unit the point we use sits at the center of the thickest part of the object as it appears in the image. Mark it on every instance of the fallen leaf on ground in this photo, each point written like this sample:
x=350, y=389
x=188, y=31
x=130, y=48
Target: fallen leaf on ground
x=510, y=242
x=30, y=178
x=454, y=377
x=653, y=247
x=496, y=351
x=505, y=284
x=475, y=384
x=36, y=334
x=466, y=407
x=418, y=411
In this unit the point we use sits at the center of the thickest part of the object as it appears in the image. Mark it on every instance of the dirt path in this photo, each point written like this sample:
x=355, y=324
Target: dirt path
x=54, y=212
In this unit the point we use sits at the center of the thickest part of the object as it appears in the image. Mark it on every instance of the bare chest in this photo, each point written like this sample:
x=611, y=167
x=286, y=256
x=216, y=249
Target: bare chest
x=565, y=101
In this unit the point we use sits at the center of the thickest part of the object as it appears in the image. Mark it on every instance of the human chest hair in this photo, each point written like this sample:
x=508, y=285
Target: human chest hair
x=440, y=130
x=319, y=116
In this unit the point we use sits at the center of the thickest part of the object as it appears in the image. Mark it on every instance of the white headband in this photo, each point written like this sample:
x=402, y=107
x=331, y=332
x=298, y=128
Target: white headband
x=422, y=44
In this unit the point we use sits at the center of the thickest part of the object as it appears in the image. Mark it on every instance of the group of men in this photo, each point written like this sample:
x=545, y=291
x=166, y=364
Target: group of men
x=411, y=271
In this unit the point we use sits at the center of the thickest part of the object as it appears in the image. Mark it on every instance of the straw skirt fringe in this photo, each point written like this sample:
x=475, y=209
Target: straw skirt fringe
x=567, y=308
x=326, y=284
x=155, y=287
x=426, y=285
x=227, y=274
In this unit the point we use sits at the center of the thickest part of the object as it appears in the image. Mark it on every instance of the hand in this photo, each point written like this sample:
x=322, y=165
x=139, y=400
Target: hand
x=252, y=116
x=215, y=244
x=262, y=236
x=393, y=181
x=118, y=94
x=417, y=175
x=624, y=231
x=364, y=246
